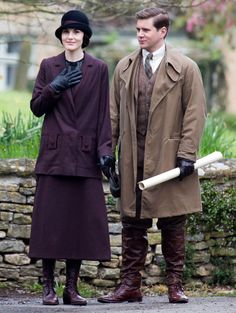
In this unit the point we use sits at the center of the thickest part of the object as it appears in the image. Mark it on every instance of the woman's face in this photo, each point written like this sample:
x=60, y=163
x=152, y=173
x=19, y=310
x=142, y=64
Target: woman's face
x=72, y=39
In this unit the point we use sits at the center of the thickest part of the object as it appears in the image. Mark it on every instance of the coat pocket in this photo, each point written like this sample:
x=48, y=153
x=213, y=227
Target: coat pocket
x=86, y=143
x=52, y=142
x=87, y=153
x=49, y=146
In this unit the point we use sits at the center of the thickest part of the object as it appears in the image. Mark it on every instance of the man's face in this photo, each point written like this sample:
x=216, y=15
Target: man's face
x=149, y=37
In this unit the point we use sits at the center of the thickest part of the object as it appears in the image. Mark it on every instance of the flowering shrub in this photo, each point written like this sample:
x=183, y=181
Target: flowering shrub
x=207, y=19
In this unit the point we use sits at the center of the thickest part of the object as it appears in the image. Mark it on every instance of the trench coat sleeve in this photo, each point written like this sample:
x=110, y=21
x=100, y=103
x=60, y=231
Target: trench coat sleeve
x=115, y=109
x=194, y=110
x=44, y=96
x=104, y=122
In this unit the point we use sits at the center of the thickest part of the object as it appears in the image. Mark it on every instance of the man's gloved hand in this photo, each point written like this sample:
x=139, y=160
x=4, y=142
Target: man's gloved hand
x=186, y=167
x=66, y=79
x=107, y=163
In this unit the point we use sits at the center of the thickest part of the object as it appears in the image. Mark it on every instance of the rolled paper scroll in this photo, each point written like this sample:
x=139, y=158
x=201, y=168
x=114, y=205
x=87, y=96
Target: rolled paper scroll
x=158, y=179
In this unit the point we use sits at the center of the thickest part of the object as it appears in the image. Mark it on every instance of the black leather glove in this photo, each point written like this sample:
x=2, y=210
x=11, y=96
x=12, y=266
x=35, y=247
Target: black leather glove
x=186, y=167
x=107, y=163
x=66, y=79
x=114, y=181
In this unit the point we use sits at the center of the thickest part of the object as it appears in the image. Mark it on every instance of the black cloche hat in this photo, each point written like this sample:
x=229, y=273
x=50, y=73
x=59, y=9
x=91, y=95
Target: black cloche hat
x=74, y=19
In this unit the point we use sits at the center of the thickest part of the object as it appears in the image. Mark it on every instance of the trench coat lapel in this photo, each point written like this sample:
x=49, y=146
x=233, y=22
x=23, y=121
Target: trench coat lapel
x=167, y=76
x=128, y=75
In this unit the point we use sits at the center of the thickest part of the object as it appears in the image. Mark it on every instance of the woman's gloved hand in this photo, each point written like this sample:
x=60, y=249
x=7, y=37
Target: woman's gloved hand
x=107, y=164
x=66, y=79
x=186, y=167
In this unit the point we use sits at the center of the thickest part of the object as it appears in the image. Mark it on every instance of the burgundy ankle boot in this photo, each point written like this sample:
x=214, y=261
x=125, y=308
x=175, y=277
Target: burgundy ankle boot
x=71, y=294
x=49, y=294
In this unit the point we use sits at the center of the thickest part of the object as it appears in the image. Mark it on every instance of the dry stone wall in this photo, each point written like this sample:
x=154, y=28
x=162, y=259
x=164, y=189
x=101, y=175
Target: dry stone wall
x=17, y=188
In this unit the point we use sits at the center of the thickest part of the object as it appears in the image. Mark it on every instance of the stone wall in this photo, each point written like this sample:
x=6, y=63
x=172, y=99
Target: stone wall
x=17, y=188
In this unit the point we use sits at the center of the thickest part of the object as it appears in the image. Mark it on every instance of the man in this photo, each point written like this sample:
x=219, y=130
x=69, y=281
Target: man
x=158, y=114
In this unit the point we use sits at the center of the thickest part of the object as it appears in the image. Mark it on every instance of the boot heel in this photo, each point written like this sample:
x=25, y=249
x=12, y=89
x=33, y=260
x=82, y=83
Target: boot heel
x=66, y=300
x=136, y=300
x=73, y=299
x=55, y=302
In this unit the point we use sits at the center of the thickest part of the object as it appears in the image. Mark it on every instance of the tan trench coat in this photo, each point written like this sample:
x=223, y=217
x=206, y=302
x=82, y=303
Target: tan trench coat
x=176, y=121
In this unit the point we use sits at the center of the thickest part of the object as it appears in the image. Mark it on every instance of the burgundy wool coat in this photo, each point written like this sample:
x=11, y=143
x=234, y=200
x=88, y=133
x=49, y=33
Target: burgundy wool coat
x=76, y=131
x=69, y=217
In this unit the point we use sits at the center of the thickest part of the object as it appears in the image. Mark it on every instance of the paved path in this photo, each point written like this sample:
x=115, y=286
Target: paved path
x=157, y=304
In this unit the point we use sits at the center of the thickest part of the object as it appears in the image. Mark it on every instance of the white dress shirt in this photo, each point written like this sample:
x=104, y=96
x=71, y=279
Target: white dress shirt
x=157, y=57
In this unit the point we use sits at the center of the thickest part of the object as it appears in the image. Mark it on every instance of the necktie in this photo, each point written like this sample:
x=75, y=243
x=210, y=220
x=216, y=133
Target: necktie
x=148, y=69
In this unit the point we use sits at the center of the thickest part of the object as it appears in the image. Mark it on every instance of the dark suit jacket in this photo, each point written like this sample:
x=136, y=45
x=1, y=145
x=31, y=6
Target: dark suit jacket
x=76, y=129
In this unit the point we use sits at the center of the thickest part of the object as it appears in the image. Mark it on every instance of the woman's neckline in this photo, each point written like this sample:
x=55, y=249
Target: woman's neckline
x=73, y=59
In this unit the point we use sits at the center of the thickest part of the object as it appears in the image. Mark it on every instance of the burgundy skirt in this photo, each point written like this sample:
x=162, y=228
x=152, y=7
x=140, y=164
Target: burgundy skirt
x=69, y=219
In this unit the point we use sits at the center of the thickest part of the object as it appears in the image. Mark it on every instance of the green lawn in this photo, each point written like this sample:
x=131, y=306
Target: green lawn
x=19, y=128
x=15, y=101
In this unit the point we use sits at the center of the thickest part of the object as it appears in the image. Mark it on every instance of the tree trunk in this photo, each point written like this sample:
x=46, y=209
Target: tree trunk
x=22, y=67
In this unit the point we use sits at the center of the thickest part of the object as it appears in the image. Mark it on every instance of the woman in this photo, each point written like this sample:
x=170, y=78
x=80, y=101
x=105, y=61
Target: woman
x=69, y=217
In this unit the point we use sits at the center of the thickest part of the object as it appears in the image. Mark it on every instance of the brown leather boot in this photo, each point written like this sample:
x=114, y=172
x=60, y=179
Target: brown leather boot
x=176, y=294
x=127, y=290
x=49, y=294
x=71, y=294
x=173, y=249
x=134, y=251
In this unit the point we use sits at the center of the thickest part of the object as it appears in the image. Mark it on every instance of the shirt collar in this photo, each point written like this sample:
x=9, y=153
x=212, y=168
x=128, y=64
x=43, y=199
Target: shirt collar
x=156, y=54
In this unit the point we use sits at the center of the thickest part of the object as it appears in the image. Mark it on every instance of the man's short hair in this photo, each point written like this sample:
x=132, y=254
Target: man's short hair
x=161, y=18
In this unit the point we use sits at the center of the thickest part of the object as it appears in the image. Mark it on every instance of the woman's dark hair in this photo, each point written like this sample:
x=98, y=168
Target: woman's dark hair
x=161, y=18
x=85, y=41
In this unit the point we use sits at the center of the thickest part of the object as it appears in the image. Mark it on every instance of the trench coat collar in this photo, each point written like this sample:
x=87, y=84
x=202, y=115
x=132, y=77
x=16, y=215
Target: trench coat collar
x=128, y=67
x=170, y=59
x=166, y=79
x=168, y=75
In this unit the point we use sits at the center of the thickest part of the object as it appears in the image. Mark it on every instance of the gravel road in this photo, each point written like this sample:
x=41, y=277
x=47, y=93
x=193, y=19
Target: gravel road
x=156, y=304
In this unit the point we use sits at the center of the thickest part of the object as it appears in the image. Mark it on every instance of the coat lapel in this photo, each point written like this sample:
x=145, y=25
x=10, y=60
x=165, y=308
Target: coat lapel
x=87, y=68
x=128, y=75
x=167, y=76
x=59, y=65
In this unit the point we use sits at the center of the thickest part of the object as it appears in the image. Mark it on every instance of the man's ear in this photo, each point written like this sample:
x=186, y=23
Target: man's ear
x=163, y=31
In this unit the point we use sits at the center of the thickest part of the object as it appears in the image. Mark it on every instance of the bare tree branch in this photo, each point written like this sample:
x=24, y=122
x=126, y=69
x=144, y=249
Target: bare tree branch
x=97, y=8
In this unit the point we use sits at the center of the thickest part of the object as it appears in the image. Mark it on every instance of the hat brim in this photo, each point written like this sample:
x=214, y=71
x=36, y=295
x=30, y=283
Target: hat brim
x=83, y=27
